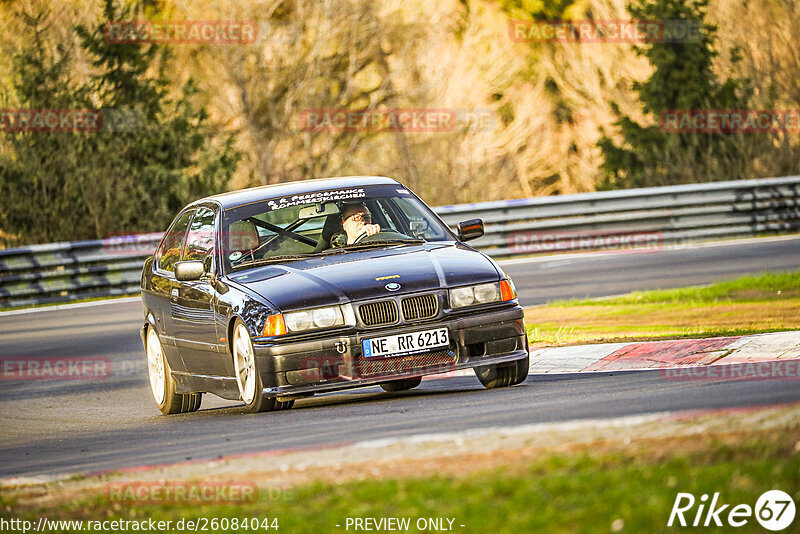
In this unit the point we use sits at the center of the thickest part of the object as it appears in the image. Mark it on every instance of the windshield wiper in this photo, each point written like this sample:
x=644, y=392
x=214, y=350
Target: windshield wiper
x=384, y=242
x=273, y=259
x=329, y=252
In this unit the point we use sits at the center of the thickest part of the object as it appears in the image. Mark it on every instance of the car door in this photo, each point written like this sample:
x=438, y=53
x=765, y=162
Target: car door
x=165, y=287
x=193, y=309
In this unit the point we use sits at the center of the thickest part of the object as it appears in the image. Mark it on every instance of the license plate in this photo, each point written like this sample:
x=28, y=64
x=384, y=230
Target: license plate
x=403, y=344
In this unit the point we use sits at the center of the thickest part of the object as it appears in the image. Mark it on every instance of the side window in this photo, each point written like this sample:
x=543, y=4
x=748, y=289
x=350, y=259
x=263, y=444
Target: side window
x=169, y=252
x=419, y=222
x=200, y=239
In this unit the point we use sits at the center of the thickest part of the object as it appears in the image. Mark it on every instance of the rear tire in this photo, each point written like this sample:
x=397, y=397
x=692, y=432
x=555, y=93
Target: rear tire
x=504, y=374
x=162, y=385
x=284, y=405
x=195, y=399
x=402, y=385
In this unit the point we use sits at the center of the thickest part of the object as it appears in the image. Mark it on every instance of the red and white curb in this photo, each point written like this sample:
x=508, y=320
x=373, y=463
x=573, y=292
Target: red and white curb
x=754, y=349
x=674, y=354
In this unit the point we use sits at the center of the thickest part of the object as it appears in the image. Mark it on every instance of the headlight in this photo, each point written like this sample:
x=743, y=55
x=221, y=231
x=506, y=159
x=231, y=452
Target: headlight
x=501, y=291
x=486, y=293
x=298, y=321
x=301, y=321
x=462, y=296
x=327, y=317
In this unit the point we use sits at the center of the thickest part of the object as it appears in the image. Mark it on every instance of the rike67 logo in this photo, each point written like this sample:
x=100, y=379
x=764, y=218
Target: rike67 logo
x=774, y=510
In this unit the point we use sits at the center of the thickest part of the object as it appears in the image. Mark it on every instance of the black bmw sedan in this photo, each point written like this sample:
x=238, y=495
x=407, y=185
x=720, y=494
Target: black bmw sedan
x=275, y=293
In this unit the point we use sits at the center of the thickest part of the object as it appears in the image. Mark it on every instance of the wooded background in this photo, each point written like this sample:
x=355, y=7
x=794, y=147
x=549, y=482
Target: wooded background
x=566, y=117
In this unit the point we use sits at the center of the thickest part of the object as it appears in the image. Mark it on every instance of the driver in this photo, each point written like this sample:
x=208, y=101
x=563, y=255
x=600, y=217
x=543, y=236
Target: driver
x=356, y=220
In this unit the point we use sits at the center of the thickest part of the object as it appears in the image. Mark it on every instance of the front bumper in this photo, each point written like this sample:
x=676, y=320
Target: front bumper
x=335, y=362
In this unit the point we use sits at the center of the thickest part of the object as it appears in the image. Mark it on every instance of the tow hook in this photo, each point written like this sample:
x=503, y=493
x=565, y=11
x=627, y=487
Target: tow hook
x=341, y=347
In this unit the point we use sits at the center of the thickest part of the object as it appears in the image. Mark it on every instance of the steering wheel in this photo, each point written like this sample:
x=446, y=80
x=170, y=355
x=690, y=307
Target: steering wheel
x=381, y=236
x=269, y=245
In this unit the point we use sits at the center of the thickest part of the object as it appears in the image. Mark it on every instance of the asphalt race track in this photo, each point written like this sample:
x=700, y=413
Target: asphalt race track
x=59, y=426
x=596, y=275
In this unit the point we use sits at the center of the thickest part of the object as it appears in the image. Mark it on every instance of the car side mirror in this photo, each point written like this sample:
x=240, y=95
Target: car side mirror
x=471, y=229
x=187, y=271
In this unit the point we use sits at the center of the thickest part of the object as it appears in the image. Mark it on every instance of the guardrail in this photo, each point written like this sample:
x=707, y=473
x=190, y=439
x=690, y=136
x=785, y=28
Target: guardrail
x=650, y=217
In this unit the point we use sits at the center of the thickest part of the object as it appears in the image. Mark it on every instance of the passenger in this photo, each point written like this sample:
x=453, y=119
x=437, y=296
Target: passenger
x=356, y=221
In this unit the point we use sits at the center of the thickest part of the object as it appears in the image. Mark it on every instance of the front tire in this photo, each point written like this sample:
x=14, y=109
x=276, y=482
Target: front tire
x=402, y=385
x=504, y=374
x=162, y=385
x=247, y=376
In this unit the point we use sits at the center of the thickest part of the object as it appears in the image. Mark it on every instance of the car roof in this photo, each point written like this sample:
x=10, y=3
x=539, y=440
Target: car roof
x=255, y=194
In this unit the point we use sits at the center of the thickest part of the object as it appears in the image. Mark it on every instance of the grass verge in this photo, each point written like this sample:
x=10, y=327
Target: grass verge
x=627, y=486
x=767, y=302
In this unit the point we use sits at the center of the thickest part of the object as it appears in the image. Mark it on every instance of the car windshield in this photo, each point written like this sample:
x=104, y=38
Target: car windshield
x=326, y=222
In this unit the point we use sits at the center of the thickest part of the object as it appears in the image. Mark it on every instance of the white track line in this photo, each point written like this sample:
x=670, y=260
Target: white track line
x=71, y=306
x=686, y=246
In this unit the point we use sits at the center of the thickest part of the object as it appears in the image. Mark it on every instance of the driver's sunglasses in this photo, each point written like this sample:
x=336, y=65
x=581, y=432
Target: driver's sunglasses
x=366, y=218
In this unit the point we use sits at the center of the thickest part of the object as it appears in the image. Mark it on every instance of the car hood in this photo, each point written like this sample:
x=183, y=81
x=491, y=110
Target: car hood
x=358, y=275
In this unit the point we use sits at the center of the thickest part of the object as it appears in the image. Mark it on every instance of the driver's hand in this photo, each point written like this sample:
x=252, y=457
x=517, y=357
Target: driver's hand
x=371, y=229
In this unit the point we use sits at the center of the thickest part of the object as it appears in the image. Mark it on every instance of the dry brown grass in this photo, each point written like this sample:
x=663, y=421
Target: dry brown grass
x=438, y=55
x=560, y=95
